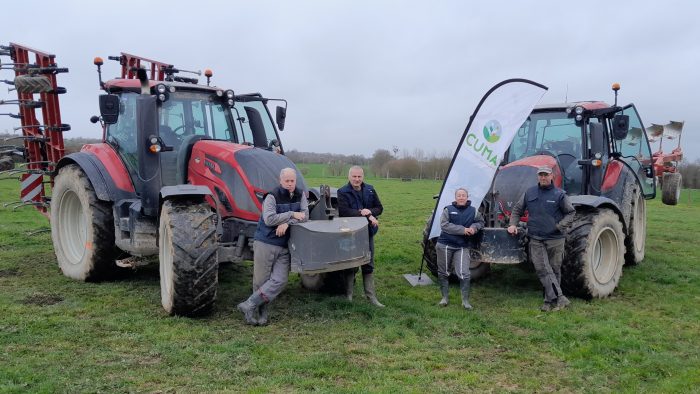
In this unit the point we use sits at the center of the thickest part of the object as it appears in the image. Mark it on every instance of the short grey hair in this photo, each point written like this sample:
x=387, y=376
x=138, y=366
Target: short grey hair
x=356, y=168
x=461, y=188
x=288, y=170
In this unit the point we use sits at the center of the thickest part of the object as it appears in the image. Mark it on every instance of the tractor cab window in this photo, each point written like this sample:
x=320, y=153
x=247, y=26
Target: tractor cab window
x=554, y=134
x=122, y=135
x=186, y=114
x=253, y=124
x=635, y=150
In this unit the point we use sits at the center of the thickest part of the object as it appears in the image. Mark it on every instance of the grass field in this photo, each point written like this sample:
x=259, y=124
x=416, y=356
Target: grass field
x=57, y=335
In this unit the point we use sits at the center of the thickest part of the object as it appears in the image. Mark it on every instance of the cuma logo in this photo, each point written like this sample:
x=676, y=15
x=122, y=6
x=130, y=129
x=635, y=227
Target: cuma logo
x=492, y=131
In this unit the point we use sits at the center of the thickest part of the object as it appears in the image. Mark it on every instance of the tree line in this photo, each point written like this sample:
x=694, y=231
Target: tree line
x=383, y=163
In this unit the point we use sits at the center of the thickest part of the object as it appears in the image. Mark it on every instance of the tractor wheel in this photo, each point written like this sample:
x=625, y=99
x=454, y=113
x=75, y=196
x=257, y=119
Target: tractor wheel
x=189, y=270
x=594, y=254
x=33, y=84
x=477, y=269
x=327, y=282
x=635, y=241
x=82, y=228
x=671, y=188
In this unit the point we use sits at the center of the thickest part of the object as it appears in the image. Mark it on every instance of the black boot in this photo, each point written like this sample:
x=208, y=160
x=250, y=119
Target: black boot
x=263, y=313
x=444, y=290
x=464, y=287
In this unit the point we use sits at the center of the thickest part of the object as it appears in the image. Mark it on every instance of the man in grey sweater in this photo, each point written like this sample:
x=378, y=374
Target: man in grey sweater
x=282, y=206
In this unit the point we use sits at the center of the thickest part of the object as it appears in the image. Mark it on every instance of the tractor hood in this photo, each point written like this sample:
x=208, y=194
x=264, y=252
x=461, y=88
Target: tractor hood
x=513, y=179
x=238, y=175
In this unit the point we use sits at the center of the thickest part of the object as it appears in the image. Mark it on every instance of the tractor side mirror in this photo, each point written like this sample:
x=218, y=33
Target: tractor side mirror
x=621, y=125
x=109, y=108
x=280, y=116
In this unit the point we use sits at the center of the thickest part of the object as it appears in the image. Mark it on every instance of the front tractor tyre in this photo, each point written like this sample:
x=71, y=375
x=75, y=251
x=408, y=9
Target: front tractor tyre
x=594, y=254
x=189, y=270
x=671, y=188
x=82, y=228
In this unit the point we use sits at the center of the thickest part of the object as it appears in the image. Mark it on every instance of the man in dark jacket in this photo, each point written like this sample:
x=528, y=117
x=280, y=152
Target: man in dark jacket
x=549, y=214
x=284, y=205
x=360, y=199
x=459, y=223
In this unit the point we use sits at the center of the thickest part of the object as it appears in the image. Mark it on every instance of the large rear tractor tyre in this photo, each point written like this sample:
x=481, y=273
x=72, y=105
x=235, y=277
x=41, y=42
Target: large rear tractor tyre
x=635, y=242
x=82, y=228
x=189, y=270
x=594, y=254
x=671, y=188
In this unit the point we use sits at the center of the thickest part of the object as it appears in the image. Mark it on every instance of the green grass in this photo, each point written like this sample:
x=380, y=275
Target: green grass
x=61, y=335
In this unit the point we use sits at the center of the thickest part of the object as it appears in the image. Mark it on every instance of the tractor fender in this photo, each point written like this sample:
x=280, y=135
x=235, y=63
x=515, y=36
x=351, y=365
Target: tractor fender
x=185, y=190
x=589, y=201
x=97, y=173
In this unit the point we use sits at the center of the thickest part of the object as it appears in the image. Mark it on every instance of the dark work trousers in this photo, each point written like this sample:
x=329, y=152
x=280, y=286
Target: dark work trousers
x=453, y=259
x=547, y=256
x=270, y=269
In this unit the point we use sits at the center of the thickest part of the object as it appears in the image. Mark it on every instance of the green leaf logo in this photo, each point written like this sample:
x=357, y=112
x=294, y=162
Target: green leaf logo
x=492, y=131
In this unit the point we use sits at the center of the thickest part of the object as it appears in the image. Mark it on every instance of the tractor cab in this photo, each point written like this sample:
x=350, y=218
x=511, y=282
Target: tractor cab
x=585, y=142
x=175, y=115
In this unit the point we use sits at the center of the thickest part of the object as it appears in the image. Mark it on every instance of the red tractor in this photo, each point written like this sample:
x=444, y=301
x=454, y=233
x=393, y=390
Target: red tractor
x=601, y=157
x=181, y=173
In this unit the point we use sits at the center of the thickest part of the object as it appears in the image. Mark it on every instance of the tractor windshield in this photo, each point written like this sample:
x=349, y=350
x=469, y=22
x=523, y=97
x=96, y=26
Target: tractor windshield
x=193, y=113
x=554, y=134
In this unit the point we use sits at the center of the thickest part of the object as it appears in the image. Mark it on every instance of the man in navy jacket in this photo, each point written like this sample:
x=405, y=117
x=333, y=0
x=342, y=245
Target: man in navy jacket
x=549, y=214
x=360, y=199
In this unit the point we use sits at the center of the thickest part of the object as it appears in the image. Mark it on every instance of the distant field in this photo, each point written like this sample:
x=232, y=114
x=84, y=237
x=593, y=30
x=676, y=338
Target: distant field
x=57, y=335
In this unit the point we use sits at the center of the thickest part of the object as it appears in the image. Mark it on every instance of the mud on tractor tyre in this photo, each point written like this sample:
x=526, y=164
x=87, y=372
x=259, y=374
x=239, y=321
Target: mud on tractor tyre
x=635, y=242
x=189, y=270
x=594, y=254
x=671, y=188
x=82, y=228
x=477, y=269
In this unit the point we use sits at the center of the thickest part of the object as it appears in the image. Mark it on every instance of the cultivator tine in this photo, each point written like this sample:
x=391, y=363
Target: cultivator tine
x=24, y=103
x=21, y=204
x=16, y=116
x=7, y=81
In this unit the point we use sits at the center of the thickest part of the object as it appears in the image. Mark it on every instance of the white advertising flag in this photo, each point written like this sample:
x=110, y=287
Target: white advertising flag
x=488, y=135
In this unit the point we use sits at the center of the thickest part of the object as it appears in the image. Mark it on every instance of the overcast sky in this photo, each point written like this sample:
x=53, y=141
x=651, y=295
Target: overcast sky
x=364, y=75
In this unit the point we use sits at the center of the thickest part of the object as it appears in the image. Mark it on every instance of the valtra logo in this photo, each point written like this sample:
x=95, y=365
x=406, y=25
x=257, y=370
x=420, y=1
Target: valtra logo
x=492, y=131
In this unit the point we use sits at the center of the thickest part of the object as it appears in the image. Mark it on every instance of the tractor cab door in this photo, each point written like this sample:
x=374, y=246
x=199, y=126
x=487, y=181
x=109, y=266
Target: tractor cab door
x=122, y=135
x=634, y=150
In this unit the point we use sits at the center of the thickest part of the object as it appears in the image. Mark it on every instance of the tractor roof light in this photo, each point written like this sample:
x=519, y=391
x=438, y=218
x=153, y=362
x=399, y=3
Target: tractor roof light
x=230, y=94
x=230, y=102
x=578, y=110
x=161, y=88
x=219, y=93
x=579, y=118
x=616, y=86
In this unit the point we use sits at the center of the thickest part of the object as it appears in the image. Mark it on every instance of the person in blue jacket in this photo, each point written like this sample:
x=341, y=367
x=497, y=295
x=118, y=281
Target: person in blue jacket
x=358, y=198
x=550, y=213
x=459, y=223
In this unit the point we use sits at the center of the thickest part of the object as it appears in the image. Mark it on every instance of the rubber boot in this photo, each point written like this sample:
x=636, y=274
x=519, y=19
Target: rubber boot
x=349, y=284
x=464, y=287
x=249, y=307
x=263, y=315
x=445, y=291
x=368, y=282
